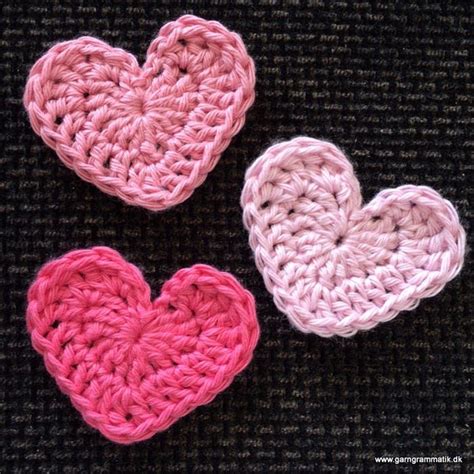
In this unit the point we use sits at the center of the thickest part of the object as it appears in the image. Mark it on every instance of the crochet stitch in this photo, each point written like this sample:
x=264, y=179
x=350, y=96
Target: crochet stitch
x=333, y=267
x=147, y=135
x=133, y=366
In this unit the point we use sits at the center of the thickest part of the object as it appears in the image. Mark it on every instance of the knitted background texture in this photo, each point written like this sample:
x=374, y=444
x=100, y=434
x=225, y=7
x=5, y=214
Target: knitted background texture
x=388, y=82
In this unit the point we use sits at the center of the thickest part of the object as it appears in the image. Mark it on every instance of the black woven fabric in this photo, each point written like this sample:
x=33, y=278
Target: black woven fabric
x=386, y=81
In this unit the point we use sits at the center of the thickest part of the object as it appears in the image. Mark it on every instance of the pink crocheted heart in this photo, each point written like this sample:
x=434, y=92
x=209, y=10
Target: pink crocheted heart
x=133, y=366
x=333, y=267
x=147, y=135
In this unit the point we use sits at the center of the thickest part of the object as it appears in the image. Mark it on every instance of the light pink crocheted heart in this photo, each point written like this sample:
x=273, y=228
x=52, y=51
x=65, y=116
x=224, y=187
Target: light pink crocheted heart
x=147, y=135
x=333, y=267
x=133, y=366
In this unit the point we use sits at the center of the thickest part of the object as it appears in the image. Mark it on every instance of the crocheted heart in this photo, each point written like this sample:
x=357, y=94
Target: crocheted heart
x=133, y=366
x=333, y=267
x=147, y=135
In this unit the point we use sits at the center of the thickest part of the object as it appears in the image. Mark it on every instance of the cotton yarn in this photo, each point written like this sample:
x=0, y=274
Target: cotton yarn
x=332, y=266
x=147, y=135
x=132, y=366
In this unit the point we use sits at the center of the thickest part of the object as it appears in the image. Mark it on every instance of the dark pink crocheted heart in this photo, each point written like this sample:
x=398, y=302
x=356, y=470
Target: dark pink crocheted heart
x=147, y=135
x=133, y=366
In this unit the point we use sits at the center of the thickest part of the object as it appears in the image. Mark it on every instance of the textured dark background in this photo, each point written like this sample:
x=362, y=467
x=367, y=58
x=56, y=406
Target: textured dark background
x=389, y=83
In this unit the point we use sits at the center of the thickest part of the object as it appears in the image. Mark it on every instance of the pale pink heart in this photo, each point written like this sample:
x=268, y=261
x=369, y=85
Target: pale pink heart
x=147, y=135
x=334, y=267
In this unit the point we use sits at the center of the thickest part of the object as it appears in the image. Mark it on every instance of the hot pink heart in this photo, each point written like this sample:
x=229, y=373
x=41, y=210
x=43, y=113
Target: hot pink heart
x=334, y=267
x=147, y=135
x=133, y=366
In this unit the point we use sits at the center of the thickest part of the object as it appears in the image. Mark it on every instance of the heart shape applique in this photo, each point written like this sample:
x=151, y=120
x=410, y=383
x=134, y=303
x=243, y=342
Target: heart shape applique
x=133, y=366
x=147, y=135
x=333, y=267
